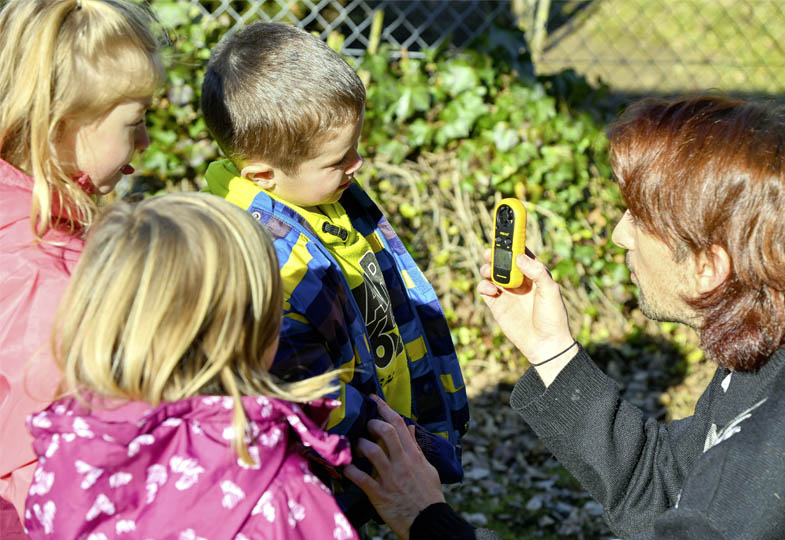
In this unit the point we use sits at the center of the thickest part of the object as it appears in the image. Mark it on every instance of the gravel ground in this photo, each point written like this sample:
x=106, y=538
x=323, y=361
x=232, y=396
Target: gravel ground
x=513, y=484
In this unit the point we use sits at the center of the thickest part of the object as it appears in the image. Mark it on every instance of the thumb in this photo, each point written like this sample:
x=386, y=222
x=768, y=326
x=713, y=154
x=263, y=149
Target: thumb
x=533, y=269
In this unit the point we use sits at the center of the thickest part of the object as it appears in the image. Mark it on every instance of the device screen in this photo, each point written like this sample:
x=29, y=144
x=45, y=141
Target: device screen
x=502, y=259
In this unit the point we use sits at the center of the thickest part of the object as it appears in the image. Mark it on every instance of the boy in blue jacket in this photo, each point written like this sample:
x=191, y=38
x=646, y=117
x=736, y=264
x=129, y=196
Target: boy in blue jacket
x=288, y=112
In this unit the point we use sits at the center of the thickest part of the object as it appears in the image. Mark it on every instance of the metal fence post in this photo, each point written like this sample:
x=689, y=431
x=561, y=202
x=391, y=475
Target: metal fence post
x=539, y=30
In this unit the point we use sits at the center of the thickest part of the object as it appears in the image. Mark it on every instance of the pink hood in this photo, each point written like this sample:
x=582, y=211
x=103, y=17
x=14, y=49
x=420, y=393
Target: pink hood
x=169, y=472
x=33, y=277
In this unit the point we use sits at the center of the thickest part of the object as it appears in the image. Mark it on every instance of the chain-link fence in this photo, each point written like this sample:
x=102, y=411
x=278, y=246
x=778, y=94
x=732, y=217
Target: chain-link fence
x=635, y=46
x=411, y=25
x=669, y=46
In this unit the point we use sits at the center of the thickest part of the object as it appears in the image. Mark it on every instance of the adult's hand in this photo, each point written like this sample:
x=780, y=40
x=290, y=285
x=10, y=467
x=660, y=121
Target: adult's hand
x=532, y=316
x=406, y=483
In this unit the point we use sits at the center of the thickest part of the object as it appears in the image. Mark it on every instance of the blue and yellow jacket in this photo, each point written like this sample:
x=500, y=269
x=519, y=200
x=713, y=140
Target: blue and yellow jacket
x=323, y=326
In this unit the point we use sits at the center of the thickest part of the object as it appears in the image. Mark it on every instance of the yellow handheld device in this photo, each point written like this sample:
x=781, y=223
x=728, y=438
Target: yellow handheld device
x=509, y=241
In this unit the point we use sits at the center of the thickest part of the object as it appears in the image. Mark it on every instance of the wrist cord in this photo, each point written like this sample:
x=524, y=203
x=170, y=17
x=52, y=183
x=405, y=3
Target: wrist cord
x=574, y=342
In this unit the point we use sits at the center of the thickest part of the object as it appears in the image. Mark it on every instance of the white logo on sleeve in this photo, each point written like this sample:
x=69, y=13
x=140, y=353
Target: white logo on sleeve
x=715, y=437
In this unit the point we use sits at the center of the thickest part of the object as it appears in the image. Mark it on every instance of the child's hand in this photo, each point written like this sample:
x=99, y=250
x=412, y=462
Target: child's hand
x=406, y=483
x=533, y=315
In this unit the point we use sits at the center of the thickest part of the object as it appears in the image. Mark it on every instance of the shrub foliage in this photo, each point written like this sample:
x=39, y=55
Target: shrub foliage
x=445, y=137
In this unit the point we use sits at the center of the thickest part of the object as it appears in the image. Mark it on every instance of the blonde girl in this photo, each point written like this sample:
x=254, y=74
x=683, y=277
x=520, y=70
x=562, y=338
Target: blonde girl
x=76, y=77
x=165, y=336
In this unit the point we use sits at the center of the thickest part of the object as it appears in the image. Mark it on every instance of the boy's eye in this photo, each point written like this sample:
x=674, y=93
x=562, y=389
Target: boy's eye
x=347, y=158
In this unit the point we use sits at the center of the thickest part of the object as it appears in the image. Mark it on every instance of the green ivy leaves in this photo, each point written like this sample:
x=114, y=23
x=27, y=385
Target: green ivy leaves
x=504, y=134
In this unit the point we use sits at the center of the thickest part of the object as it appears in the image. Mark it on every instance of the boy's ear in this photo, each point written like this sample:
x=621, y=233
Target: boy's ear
x=260, y=174
x=712, y=268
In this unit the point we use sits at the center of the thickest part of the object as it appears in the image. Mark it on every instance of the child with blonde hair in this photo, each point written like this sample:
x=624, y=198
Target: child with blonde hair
x=77, y=77
x=165, y=336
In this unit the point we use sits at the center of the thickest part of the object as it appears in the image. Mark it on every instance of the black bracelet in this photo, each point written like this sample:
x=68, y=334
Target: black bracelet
x=574, y=342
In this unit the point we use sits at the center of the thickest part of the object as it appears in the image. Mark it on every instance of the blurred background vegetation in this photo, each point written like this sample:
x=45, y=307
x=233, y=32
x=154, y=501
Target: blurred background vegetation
x=472, y=101
x=462, y=116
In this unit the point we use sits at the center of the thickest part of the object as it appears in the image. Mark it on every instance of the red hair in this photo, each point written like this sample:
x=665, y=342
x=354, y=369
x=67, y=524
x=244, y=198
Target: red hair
x=710, y=171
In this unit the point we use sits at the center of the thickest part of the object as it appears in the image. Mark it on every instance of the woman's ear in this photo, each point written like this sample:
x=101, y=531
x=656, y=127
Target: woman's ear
x=713, y=268
x=260, y=174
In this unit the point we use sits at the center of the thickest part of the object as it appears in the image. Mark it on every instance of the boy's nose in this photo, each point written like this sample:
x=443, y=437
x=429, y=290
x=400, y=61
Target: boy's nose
x=356, y=163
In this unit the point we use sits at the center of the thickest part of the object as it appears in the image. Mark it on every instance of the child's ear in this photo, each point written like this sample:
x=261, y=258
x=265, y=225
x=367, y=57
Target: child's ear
x=713, y=268
x=260, y=174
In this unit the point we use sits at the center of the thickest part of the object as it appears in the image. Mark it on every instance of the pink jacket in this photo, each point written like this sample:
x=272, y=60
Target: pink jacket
x=169, y=471
x=33, y=277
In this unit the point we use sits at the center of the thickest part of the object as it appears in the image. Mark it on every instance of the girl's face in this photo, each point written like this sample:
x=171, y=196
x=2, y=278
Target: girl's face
x=103, y=147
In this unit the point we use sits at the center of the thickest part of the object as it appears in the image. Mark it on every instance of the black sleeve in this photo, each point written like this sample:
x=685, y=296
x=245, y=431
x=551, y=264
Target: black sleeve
x=633, y=466
x=439, y=520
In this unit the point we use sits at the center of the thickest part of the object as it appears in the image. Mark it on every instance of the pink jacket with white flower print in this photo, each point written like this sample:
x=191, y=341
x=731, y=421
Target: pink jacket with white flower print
x=169, y=471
